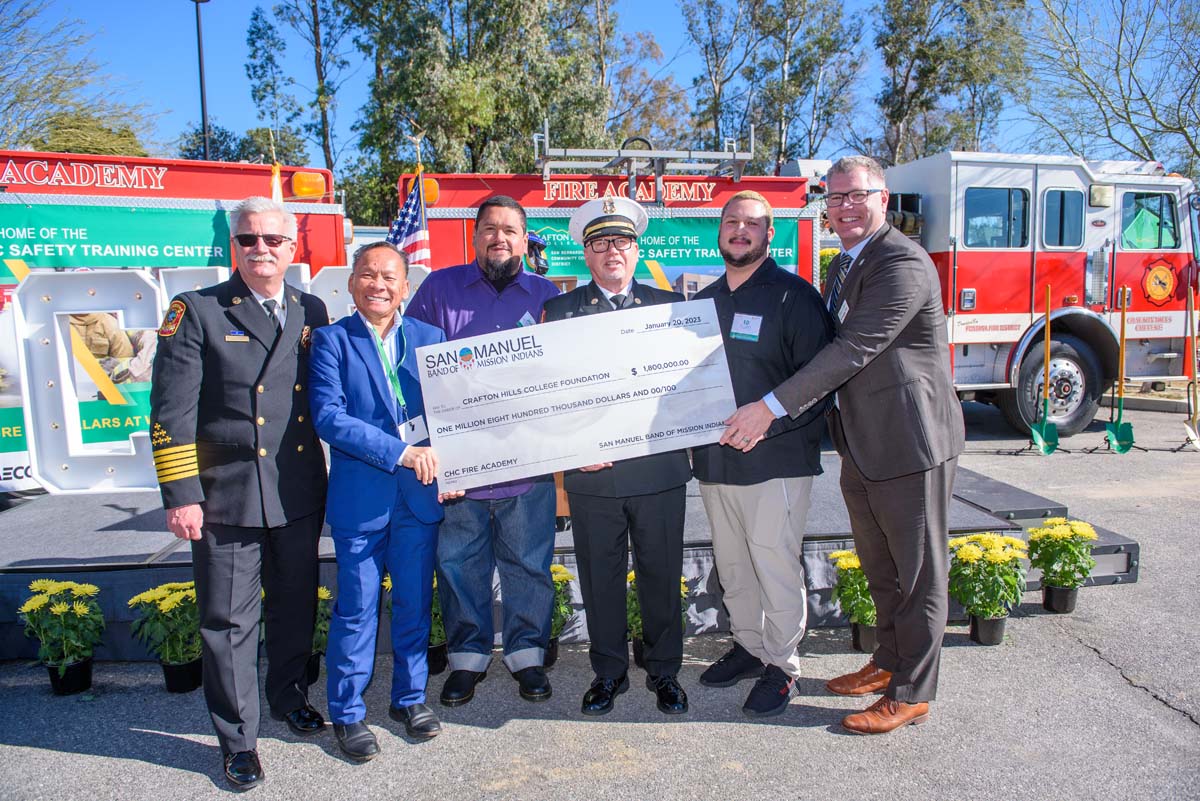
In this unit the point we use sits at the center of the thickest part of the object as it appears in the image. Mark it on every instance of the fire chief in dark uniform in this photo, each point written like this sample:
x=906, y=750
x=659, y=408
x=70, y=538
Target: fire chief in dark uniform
x=638, y=500
x=243, y=477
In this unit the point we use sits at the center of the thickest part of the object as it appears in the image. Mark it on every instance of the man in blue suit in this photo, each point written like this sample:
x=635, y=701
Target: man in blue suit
x=383, y=506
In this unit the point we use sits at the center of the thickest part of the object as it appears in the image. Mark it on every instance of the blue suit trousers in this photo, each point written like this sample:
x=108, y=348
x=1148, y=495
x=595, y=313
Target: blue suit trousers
x=406, y=548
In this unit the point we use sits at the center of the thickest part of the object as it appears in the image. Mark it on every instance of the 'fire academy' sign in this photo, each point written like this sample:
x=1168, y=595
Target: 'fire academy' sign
x=40, y=172
x=673, y=191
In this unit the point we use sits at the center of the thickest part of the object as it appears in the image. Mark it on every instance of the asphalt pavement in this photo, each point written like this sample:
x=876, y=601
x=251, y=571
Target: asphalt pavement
x=1099, y=704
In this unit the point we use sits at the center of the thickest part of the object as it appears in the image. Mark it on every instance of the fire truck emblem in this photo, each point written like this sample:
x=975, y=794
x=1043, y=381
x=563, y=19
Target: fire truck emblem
x=1158, y=282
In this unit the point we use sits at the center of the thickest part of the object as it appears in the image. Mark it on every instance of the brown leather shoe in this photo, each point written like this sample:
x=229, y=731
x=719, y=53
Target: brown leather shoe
x=885, y=715
x=870, y=679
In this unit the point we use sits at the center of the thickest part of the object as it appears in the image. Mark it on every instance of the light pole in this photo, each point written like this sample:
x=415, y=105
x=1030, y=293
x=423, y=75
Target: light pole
x=203, y=100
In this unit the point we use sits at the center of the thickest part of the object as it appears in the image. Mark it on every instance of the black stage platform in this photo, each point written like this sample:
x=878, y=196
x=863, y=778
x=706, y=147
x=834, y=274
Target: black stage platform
x=120, y=543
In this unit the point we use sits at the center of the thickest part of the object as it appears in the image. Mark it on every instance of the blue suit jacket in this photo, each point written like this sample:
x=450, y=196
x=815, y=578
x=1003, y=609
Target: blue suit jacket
x=352, y=410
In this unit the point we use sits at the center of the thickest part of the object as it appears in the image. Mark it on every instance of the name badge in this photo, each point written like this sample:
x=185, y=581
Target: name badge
x=413, y=430
x=843, y=311
x=746, y=326
x=236, y=336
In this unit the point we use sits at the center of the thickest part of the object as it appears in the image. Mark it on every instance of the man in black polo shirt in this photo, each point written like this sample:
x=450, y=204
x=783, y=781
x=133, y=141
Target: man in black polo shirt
x=773, y=323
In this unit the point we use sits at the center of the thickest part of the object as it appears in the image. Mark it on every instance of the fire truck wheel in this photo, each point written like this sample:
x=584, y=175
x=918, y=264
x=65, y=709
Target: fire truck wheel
x=1075, y=387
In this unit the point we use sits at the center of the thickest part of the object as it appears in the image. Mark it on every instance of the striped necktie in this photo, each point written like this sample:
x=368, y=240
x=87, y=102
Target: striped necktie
x=269, y=305
x=839, y=268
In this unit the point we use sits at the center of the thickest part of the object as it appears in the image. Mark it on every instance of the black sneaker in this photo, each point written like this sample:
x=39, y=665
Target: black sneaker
x=736, y=665
x=770, y=694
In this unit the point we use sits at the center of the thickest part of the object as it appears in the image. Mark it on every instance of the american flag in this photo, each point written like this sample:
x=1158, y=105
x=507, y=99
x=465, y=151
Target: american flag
x=409, y=231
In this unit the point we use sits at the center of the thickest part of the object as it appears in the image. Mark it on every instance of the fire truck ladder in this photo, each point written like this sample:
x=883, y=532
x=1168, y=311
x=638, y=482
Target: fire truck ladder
x=647, y=160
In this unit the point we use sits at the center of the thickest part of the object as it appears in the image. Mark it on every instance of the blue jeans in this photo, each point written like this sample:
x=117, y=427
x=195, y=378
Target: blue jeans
x=516, y=537
x=406, y=548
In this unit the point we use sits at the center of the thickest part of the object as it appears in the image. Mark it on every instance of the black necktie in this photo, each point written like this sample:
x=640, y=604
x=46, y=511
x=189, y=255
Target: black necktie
x=270, y=305
x=838, y=268
x=618, y=301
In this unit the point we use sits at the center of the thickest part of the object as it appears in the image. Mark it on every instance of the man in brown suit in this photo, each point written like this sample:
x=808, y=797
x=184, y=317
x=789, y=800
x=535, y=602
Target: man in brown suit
x=898, y=426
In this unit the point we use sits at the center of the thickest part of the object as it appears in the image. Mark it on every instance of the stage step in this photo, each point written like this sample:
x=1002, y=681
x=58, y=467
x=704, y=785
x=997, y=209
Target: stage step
x=119, y=543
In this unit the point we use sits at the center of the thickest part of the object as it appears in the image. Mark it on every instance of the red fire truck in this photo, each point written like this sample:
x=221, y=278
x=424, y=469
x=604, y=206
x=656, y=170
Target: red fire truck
x=679, y=247
x=998, y=227
x=36, y=185
x=167, y=219
x=1001, y=228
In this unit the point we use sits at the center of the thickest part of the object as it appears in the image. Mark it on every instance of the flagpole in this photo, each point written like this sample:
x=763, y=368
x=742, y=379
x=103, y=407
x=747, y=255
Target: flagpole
x=410, y=231
x=416, y=140
x=418, y=181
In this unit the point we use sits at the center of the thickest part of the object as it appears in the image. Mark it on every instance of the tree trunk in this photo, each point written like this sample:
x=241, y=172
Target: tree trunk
x=322, y=90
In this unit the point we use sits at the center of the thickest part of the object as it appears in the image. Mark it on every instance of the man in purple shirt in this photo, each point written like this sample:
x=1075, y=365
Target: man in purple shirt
x=507, y=527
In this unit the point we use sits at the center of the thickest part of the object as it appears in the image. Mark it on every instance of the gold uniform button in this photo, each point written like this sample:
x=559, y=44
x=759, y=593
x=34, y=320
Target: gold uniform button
x=300, y=419
x=262, y=451
x=262, y=422
x=299, y=449
x=298, y=388
x=260, y=389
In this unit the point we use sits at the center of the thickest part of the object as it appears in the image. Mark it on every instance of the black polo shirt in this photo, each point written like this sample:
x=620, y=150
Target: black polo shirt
x=792, y=326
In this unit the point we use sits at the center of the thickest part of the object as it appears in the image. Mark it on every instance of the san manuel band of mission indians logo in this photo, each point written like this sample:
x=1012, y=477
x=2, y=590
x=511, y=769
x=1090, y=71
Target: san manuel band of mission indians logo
x=489, y=354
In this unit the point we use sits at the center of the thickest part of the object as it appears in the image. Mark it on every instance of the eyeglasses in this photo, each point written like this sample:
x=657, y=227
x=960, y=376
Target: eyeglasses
x=835, y=199
x=602, y=245
x=270, y=240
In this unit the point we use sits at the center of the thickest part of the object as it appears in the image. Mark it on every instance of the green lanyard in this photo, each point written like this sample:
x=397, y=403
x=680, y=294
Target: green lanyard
x=388, y=369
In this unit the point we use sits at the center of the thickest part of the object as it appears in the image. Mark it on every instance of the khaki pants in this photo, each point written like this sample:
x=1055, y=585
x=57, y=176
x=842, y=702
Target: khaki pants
x=758, y=532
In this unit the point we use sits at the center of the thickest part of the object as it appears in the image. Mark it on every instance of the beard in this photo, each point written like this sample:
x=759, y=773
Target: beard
x=749, y=257
x=498, y=269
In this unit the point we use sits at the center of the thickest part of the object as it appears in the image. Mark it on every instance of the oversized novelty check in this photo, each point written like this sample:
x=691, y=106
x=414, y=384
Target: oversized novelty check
x=592, y=389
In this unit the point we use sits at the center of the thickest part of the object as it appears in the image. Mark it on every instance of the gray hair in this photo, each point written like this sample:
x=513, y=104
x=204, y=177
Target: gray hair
x=264, y=205
x=382, y=244
x=848, y=164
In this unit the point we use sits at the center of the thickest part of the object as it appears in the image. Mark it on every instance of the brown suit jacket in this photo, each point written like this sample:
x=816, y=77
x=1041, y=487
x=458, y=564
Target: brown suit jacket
x=889, y=364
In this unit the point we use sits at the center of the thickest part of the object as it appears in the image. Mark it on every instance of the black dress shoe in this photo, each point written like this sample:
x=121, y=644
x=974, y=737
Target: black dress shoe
x=533, y=684
x=460, y=687
x=598, y=700
x=418, y=719
x=243, y=770
x=356, y=741
x=672, y=700
x=303, y=720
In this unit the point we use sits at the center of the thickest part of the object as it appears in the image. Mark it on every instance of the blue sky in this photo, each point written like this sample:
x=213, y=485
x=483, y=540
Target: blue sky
x=149, y=48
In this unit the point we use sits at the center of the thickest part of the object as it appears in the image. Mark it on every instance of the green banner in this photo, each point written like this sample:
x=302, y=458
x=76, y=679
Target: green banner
x=47, y=235
x=12, y=429
x=101, y=421
x=679, y=245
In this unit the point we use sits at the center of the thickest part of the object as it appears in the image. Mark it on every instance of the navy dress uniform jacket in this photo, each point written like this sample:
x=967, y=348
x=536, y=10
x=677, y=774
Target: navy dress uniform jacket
x=230, y=425
x=641, y=475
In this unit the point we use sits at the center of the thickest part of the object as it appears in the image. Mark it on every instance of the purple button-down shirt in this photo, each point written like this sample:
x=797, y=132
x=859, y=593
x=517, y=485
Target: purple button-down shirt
x=463, y=303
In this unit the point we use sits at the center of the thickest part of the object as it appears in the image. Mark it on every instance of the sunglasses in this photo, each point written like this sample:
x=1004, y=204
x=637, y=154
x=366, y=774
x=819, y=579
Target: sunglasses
x=270, y=240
